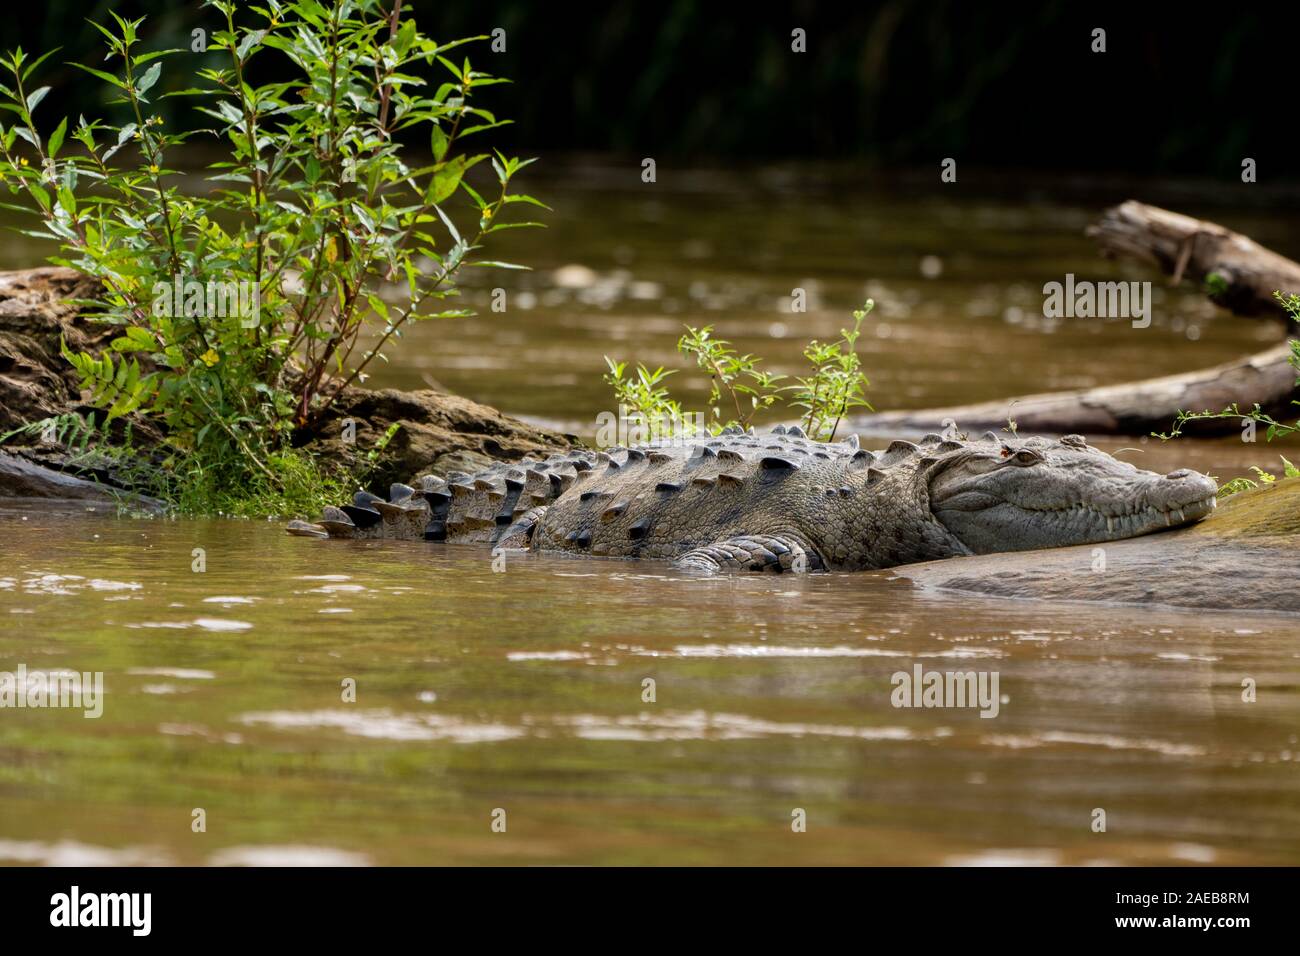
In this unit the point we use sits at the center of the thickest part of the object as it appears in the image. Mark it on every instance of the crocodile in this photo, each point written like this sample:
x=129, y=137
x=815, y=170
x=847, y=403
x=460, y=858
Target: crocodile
x=782, y=502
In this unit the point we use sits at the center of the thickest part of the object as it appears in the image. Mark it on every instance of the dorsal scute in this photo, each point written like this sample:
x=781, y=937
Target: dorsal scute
x=898, y=451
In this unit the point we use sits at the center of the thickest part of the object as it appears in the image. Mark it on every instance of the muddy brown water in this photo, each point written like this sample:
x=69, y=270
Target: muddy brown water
x=523, y=689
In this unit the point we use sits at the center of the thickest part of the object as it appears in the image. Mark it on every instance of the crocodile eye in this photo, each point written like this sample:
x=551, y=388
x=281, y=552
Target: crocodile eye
x=1076, y=441
x=1026, y=457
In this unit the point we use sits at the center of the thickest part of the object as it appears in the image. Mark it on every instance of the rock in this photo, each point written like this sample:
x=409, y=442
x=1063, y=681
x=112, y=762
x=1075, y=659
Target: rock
x=439, y=433
x=1243, y=557
x=35, y=381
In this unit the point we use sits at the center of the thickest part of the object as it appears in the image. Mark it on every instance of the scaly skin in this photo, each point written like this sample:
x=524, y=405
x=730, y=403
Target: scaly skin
x=741, y=501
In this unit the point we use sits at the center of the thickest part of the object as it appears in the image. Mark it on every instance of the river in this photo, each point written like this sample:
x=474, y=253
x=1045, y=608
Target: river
x=404, y=703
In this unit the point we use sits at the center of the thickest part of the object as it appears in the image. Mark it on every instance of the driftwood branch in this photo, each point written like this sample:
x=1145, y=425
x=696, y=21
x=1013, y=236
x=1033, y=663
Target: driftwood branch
x=1134, y=408
x=1187, y=248
x=1183, y=247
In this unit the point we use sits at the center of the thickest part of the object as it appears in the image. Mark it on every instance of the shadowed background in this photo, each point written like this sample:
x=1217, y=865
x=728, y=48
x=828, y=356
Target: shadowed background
x=895, y=83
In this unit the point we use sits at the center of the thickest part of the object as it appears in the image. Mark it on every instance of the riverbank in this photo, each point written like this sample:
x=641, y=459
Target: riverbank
x=431, y=430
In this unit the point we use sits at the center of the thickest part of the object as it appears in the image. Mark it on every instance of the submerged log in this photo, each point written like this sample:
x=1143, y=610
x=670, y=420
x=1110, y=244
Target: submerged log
x=1184, y=248
x=20, y=478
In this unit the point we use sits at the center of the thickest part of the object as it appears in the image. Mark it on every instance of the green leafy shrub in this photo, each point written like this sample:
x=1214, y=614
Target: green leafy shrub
x=245, y=309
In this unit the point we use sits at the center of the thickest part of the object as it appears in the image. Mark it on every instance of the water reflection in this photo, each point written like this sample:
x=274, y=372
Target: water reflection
x=525, y=690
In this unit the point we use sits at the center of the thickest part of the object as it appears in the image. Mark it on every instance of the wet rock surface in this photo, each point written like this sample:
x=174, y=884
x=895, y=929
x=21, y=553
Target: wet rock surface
x=439, y=433
x=35, y=312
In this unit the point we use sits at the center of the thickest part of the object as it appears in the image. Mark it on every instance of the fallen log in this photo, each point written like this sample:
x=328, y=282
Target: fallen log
x=1247, y=275
x=20, y=478
x=1133, y=408
x=1184, y=247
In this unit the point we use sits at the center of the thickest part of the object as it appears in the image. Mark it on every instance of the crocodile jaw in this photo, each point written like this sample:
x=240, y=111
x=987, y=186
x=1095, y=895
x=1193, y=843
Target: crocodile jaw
x=1069, y=496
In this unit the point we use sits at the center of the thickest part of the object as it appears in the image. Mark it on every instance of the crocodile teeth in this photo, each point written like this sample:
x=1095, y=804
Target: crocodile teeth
x=1110, y=525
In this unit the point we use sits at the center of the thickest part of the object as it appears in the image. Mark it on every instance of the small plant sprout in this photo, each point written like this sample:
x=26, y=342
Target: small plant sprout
x=1274, y=429
x=739, y=389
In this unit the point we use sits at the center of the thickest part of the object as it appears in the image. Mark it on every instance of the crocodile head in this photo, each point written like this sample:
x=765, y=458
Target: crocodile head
x=1022, y=494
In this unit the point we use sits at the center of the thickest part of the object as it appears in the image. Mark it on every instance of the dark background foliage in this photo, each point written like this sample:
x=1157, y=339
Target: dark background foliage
x=896, y=83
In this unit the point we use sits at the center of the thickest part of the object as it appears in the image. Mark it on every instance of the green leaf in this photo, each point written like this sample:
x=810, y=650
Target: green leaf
x=146, y=82
x=56, y=138
x=494, y=264
x=251, y=39
x=144, y=58
x=520, y=197
x=446, y=180
x=35, y=97
x=39, y=60
x=440, y=143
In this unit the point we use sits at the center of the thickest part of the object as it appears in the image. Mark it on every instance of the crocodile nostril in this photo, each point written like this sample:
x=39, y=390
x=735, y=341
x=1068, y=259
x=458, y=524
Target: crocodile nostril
x=1180, y=473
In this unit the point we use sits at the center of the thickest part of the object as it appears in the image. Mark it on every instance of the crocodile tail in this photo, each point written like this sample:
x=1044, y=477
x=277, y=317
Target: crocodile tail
x=459, y=508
